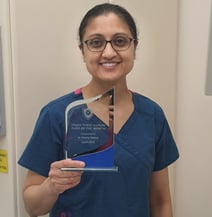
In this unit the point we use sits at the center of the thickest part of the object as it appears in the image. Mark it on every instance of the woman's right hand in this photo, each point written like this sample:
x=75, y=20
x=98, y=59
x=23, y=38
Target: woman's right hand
x=60, y=181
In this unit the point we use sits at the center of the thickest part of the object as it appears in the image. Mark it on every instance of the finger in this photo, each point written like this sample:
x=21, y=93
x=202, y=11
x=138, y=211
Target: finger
x=67, y=163
x=58, y=174
x=63, y=184
x=72, y=163
x=66, y=181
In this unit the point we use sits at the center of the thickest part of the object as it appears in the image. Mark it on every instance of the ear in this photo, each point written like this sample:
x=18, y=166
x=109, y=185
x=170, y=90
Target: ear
x=135, y=54
x=135, y=50
x=82, y=51
x=80, y=47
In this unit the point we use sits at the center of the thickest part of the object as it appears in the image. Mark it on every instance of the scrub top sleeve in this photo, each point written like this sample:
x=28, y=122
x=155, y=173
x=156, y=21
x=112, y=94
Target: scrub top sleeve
x=166, y=151
x=45, y=144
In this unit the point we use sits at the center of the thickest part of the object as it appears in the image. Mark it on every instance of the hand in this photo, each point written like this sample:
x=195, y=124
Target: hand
x=63, y=180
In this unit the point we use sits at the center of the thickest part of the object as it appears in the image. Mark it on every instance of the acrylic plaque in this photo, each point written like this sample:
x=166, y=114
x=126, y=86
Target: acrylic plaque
x=89, y=132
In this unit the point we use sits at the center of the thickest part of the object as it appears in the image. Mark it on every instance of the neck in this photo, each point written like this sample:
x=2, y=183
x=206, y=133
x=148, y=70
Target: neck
x=94, y=88
x=122, y=93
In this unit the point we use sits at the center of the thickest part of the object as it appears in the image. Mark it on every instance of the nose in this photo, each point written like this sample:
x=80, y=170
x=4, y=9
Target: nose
x=109, y=51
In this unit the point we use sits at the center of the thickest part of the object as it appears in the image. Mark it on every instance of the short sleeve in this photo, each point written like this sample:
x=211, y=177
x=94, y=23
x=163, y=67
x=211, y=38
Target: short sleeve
x=166, y=151
x=45, y=145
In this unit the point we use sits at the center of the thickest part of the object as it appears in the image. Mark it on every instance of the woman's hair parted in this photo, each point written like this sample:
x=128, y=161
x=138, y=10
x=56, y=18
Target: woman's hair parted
x=107, y=8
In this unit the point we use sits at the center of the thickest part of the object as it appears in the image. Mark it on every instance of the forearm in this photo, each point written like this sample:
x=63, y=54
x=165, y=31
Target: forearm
x=39, y=199
x=160, y=198
x=163, y=209
x=40, y=193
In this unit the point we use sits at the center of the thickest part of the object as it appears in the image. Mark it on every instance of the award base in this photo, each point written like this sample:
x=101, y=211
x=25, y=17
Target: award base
x=109, y=169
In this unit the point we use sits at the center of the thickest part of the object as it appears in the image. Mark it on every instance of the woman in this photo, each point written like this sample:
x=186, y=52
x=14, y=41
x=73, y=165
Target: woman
x=144, y=146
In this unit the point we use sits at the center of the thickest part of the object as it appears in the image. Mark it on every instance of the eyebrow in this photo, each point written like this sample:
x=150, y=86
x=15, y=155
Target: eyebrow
x=95, y=35
x=102, y=36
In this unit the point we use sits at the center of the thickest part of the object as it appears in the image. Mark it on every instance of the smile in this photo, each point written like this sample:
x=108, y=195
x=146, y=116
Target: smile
x=109, y=65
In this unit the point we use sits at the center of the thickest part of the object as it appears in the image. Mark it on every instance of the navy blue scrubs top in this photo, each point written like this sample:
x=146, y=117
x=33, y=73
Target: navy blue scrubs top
x=143, y=145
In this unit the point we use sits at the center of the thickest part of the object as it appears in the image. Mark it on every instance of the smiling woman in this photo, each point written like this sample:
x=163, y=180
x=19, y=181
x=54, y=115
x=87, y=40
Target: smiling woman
x=143, y=148
x=42, y=61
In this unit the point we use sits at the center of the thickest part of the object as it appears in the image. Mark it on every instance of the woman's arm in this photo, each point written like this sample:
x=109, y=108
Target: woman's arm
x=160, y=199
x=40, y=193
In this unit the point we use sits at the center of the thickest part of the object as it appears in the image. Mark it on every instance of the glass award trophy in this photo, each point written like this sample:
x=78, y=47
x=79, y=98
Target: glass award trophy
x=89, y=135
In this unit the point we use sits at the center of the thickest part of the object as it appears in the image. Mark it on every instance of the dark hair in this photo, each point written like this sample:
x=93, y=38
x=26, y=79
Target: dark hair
x=106, y=8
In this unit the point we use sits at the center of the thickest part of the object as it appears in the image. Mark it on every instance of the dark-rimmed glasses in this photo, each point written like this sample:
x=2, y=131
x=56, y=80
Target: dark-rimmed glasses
x=118, y=43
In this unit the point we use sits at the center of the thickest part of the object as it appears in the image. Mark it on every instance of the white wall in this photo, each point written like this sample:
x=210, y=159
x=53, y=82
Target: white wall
x=8, y=180
x=47, y=63
x=194, y=112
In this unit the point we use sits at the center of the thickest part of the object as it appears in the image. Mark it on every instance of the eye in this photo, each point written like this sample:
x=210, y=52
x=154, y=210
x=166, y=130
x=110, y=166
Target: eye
x=95, y=43
x=120, y=41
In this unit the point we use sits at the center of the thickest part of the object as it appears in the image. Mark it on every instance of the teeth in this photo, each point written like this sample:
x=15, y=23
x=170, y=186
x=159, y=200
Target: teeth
x=108, y=64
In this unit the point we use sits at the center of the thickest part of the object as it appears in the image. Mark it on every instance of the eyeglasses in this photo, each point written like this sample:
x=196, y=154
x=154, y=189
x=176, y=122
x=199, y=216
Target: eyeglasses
x=118, y=43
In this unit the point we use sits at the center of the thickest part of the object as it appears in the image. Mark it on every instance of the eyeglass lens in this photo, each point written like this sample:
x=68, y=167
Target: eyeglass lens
x=118, y=43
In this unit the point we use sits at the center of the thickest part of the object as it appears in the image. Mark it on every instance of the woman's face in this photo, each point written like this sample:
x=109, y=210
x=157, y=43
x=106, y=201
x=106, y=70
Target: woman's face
x=108, y=65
